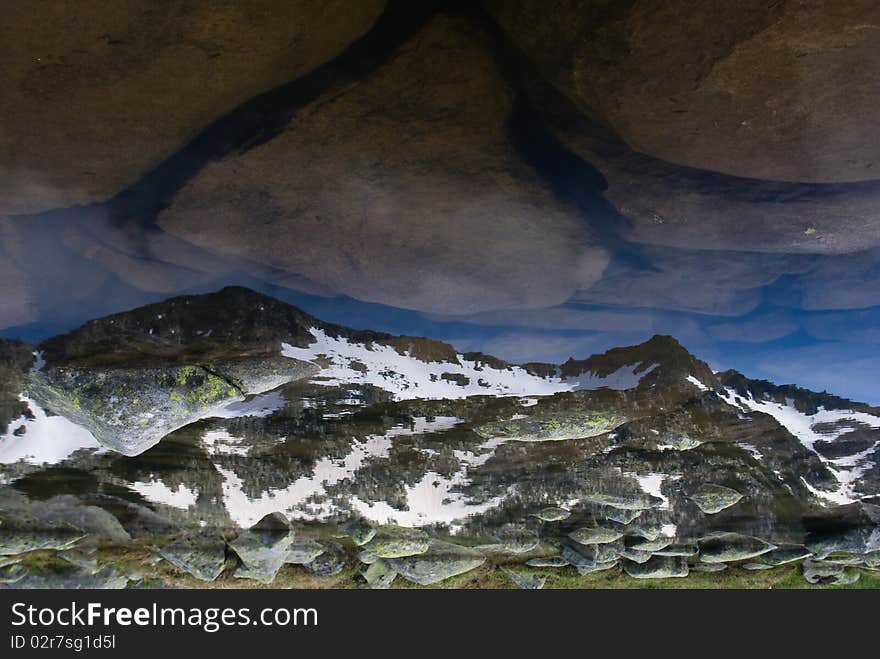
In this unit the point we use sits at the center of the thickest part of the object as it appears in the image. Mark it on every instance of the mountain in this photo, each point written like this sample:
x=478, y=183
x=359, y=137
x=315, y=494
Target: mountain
x=216, y=410
x=133, y=377
x=845, y=435
x=127, y=380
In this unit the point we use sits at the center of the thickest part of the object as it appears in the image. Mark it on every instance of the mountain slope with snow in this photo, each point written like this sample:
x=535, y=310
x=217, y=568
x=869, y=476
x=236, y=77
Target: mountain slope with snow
x=825, y=425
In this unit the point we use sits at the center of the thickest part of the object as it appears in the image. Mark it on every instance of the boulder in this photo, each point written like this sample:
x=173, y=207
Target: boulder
x=329, y=562
x=713, y=499
x=397, y=541
x=552, y=514
x=379, y=575
x=406, y=161
x=516, y=539
x=725, y=547
x=201, y=554
x=774, y=91
x=264, y=548
x=657, y=567
x=547, y=561
x=100, y=93
x=303, y=550
x=558, y=427
x=595, y=535
x=441, y=561
x=525, y=580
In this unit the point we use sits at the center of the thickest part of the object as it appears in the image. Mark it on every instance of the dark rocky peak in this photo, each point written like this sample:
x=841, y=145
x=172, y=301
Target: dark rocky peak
x=234, y=321
x=662, y=360
x=15, y=360
x=231, y=323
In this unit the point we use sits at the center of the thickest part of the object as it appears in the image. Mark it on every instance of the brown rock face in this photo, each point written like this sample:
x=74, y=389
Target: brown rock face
x=97, y=93
x=401, y=189
x=782, y=91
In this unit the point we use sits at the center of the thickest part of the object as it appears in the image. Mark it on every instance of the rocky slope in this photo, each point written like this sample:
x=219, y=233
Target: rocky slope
x=640, y=457
x=133, y=377
x=130, y=379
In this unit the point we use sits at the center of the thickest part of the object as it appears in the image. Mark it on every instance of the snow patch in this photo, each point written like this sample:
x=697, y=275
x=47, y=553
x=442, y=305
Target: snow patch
x=155, y=491
x=847, y=470
x=307, y=497
x=694, y=381
x=47, y=440
x=220, y=442
x=406, y=377
x=626, y=377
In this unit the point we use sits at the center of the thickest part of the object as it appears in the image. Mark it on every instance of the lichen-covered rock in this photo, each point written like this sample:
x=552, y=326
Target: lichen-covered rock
x=552, y=514
x=588, y=557
x=657, y=567
x=360, y=531
x=264, y=548
x=677, y=550
x=726, y=547
x=635, y=555
x=844, y=558
x=859, y=540
x=201, y=554
x=367, y=557
x=79, y=559
x=547, y=561
x=590, y=568
x=525, y=580
x=652, y=546
x=516, y=539
x=330, y=561
x=397, y=541
x=12, y=573
x=820, y=572
x=580, y=425
x=379, y=575
x=708, y=567
x=624, y=501
x=647, y=530
x=785, y=555
x=23, y=533
x=595, y=535
x=441, y=561
x=137, y=520
x=72, y=578
x=302, y=551
x=713, y=499
x=130, y=410
x=620, y=515
x=100, y=525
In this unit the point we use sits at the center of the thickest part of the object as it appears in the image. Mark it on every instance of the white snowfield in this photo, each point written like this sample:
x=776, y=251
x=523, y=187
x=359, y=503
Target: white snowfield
x=848, y=469
x=157, y=491
x=406, y=377
x=47, y=440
